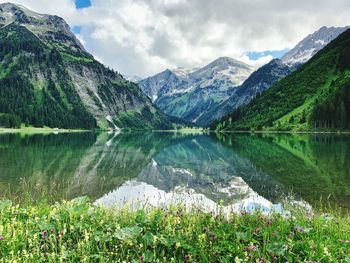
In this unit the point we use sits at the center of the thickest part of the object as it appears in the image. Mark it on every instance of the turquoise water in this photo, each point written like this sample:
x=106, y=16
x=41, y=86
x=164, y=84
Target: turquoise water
x=238, y=170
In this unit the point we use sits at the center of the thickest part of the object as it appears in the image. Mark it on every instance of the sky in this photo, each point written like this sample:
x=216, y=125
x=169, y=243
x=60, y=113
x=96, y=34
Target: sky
x=144, y=37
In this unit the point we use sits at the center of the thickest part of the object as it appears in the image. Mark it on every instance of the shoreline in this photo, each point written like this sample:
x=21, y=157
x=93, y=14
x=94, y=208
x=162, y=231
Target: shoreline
x=48, y=130
x=33, y=130
x=285, y=132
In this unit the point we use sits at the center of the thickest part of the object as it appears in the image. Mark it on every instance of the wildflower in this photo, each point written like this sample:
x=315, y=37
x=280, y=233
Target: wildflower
x=185, y=258
x=269, y=222
x=299, y=229
x=213, y=238
x=238, y=260
x=243, y=212
x=2, y=238
x=44, y=234
x=262, y=260
x=142, y=258
x=251, y=248
x=256, y=231
x=345, y=241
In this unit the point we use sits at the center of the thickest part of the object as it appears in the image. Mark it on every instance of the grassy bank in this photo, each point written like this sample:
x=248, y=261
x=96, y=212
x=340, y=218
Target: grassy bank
x=34, y=130
x=79, y=231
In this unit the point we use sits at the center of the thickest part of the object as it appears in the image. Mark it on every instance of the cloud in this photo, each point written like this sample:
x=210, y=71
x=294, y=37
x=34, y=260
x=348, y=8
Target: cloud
x=256, y=62
x=143, y=37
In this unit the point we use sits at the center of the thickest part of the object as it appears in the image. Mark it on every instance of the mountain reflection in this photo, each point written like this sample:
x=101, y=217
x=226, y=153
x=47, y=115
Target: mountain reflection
x=240, y=170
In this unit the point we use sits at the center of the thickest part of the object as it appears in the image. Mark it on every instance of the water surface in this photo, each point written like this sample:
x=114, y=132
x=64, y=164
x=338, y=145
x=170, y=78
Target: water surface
x=237, y=170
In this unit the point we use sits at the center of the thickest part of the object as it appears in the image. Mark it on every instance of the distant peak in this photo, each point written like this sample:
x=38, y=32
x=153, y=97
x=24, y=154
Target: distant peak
x=12, y=6
x=331, y=28
x=8, y=4
x=311, y=44
x=227, y=61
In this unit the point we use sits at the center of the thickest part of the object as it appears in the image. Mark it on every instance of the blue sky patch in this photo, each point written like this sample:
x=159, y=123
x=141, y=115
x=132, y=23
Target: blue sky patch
x=82, y=3
x=274, y=53
x=76, y=29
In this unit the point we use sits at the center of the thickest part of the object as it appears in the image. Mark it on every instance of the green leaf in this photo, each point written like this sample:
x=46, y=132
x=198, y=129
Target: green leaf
x=148, y=238
x=4, y=204
x=128, y=233
x=148, y=256
x=277, y=248
x=242, y=236
x=81, y=200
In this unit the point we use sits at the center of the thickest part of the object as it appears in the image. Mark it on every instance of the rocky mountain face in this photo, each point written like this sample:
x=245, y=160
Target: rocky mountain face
x=314, y=97
x=258, y=82
x=204, y=95
x=190, y=93
x=277, y=69
x=58, y=83
x=310, y=45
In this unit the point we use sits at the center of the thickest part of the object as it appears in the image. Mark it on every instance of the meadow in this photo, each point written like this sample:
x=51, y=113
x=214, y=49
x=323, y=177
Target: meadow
x=77, y=230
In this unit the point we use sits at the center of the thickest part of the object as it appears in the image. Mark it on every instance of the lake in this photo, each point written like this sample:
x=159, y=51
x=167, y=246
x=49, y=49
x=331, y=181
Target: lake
x=239, y=171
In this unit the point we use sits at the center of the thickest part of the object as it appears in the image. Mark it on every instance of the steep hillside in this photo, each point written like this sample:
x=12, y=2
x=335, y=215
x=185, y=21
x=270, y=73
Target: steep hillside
x=48, y=79
x=277, y=69
x=311, y=44
x=192, y=94
x=316, y=96
x=259, y=81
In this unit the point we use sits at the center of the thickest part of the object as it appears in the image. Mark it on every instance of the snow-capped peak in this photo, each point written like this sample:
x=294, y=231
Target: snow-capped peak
x=310, y=45
x=182, y=71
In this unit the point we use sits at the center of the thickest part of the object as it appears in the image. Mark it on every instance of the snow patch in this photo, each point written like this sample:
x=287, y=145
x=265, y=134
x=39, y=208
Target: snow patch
x=320, y=42
x=110, y=119
x=302, y=57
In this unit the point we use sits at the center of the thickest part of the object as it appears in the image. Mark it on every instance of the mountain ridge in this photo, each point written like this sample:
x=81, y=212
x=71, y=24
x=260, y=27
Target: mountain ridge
x=299, y=102
x=277, y=69
x=61, y=80
x=202, y=88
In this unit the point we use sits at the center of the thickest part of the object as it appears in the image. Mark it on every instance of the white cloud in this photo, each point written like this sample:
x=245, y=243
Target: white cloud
x=258, y=62
x=143, y=37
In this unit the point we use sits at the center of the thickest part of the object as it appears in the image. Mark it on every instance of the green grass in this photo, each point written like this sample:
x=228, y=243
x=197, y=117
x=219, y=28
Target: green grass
x=70, y=57
x=34, y=130
x=79, y=231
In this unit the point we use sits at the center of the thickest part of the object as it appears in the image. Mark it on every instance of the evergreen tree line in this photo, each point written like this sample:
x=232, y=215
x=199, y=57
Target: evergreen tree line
x=333, y=113
x=10, y=121
x=56, y=104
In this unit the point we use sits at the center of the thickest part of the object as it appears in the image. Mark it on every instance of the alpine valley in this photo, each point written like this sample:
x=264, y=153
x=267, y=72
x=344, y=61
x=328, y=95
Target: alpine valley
x=314, y=97
x=204, y=95
x=47, y=78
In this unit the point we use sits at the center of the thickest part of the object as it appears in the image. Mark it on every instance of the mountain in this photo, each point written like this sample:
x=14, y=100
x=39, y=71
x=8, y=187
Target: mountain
x=163, y=83
x=133, y=78
x=208, y=94
x=310, y=45
x=48, y=78
x=259, y=81
x=277, y=69
x=190, y=93
x=315, y=96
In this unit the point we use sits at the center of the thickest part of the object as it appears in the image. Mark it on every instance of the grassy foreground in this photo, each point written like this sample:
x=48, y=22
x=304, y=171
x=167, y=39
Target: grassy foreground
x=79, y=231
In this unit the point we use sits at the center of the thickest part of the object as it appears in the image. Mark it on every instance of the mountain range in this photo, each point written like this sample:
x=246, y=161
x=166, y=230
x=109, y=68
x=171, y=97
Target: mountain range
x=189, y=93
x=314, y=97
x=204, y=98
x=47, y=78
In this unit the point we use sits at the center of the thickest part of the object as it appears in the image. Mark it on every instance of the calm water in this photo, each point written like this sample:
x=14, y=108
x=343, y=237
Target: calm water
x=242, y=170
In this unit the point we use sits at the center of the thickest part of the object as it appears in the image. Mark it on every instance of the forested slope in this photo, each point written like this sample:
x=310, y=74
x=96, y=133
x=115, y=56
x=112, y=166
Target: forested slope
x=316, y=96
